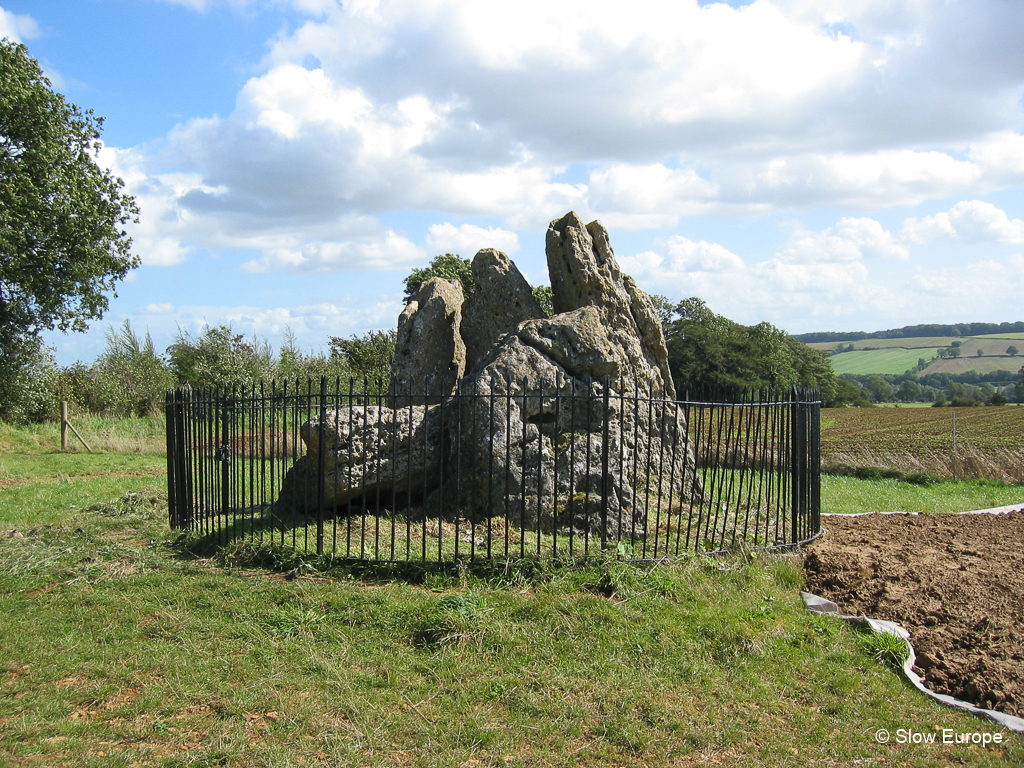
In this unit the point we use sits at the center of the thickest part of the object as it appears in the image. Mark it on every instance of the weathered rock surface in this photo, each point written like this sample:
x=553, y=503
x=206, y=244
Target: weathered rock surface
x=584, y=273
x=368, y=451
x=563, y=423
x=430, y=351
x=502, y=299
x=580, y=464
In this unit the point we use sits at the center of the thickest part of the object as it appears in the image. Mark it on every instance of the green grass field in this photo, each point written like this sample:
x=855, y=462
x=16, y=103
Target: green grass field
x=123, y=648
x=896, y=356
x=894, y=361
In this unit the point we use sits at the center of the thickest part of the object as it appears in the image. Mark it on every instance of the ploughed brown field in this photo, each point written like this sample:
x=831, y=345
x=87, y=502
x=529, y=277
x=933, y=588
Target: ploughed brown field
x=956, y=582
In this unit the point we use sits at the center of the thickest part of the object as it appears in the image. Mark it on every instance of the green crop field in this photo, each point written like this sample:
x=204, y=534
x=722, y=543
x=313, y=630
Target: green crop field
x=894, y=361
x=896, y=356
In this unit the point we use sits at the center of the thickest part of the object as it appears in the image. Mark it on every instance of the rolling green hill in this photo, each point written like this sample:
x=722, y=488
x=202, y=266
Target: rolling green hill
x=896, y=356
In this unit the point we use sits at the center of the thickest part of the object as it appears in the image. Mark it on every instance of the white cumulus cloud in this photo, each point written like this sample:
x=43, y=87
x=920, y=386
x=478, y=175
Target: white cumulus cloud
x=973, y=221
x=851, y=239
x=17, y=27
x=467, y=239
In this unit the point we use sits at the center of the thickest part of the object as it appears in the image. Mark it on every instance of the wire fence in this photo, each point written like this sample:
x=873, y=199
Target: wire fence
x=501, y=469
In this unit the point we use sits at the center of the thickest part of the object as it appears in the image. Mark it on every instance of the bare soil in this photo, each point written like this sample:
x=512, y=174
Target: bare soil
x=956, y=582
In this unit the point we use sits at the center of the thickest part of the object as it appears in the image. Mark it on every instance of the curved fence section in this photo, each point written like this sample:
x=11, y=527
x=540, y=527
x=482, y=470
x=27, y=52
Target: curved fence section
x=505, y=469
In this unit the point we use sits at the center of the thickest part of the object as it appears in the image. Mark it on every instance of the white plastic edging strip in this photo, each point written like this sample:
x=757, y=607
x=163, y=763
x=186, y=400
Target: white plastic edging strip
x=991, y=511
x=816, y=604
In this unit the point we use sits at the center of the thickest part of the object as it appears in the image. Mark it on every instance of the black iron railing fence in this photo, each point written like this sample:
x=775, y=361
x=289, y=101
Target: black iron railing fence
x=510, y=469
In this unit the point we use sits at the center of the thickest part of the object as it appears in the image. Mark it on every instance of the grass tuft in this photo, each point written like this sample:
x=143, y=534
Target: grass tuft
x=887, y=648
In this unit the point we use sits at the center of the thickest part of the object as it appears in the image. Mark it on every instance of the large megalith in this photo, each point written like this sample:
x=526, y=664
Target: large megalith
x=564, y=423
x=587, y=421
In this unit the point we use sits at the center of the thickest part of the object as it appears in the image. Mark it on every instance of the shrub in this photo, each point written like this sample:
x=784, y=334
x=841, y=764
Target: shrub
x=219, y=357
x=28, y=392
x=130, y=378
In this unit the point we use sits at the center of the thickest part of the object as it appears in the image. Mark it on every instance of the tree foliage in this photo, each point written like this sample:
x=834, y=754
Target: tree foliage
x=546, y=298
x=219, y=357
x=368, y=356
x=708, y=350
x=62, y=246
x=450, y=266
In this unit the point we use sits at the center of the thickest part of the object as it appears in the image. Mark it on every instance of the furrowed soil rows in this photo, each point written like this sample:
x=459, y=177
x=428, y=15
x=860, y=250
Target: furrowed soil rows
x=989, y=441
x=927, y=429
x=954, y=581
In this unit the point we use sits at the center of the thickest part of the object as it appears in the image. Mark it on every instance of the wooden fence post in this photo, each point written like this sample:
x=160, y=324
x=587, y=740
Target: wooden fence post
x=66, y=424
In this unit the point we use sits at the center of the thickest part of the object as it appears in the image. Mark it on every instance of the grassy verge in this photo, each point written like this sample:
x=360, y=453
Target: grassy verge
x=846, y=495
x=122, y=648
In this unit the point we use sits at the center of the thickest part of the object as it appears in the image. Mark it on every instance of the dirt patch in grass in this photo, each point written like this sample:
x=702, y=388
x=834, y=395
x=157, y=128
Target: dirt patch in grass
x=956, y=582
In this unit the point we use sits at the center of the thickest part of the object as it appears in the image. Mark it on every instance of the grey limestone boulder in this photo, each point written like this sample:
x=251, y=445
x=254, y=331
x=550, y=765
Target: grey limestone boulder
x=367, y=452
x=430, y=352
x=502, y=299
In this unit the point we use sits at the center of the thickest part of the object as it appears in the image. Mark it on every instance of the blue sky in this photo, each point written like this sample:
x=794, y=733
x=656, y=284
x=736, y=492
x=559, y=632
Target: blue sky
x=819, y=164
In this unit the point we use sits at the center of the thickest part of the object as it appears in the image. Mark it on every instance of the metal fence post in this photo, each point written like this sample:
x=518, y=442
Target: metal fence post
x=320, y=470
x=605, y=480
x=798, y=466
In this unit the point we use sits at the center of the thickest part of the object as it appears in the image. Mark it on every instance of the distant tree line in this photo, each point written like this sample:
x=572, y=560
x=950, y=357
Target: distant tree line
x=960, y=390
x=914, y=331
x=707, y=350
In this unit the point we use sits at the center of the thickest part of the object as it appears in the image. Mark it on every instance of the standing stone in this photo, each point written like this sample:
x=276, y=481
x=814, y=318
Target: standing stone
x=580, y=464
x=501, y=300
x=584, y=273
x=430, y=352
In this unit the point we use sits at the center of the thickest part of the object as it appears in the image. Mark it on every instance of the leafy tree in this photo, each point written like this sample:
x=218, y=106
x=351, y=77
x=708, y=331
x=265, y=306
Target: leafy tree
x=664, y=308
x=909, y=391
x=29, y=393
x=848, y=393
x=879, y=389
x=981, y=352
x=219, y=357
x=62, y=246
x=450, y=266
x=708, y=350
x=1012, y=351
x=368, y=356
